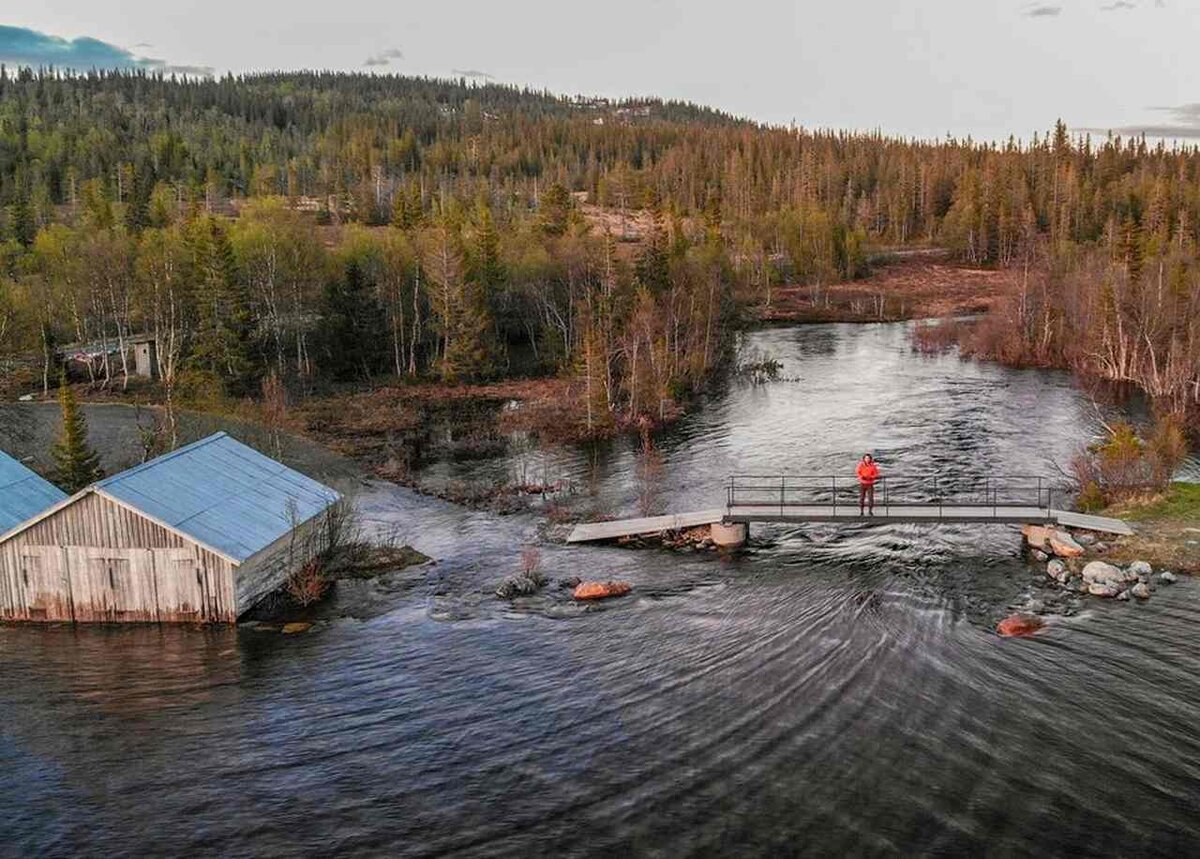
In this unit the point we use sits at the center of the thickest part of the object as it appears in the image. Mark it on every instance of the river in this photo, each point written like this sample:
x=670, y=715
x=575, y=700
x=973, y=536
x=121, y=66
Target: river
x=830, y=691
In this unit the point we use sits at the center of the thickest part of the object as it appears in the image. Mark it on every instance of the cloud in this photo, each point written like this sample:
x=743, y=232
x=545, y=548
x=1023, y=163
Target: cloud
x=384, y=58
x=472, y=73
x=1118, y=5
x=1182, y=123
x=24, y=47
x=1043, y=11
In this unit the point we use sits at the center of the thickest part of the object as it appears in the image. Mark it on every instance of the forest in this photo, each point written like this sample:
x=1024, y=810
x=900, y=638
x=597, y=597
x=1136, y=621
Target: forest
x=310, y=232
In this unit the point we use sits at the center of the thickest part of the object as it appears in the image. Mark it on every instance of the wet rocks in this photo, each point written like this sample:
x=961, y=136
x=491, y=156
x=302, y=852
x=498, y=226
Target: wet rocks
x=522, y=584
x=1123, y=596
x=1051, y=541
x=1058, y=571
x=1140, y=569
x=1141, y=590
x=1101, y=573
x=296, y=628
x=1085, y=539
x=1100, y=589
x=1019, y=625
x=601, y=590
x=1040, y=556
x=1167, y=578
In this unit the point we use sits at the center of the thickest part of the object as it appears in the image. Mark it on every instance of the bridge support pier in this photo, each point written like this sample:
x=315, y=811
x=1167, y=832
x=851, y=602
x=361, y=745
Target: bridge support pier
x=730, y=535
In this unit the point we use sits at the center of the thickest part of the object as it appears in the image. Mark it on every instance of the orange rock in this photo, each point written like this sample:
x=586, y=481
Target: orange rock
x=601, y=590
x=1019, y=625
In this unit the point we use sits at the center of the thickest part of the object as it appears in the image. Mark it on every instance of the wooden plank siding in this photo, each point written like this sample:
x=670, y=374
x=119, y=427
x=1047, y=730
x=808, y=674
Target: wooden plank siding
x=97, y=561
x=266, y=570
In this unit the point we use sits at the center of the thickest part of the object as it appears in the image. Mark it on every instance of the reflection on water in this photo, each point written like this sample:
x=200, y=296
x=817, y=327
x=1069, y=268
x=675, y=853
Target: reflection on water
x=831, y=690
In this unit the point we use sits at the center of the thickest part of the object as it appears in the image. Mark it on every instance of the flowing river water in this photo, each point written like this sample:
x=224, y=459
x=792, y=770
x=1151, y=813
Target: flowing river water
x=829, y=691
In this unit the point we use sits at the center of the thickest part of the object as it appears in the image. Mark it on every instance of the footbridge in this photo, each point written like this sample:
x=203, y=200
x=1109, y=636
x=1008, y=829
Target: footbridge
x=933, y=499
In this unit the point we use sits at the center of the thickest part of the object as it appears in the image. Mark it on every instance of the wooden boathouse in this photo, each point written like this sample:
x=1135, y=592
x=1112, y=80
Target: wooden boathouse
x=198, y=535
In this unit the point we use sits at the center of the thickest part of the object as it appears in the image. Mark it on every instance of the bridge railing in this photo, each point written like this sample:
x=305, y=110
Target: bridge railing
x=842, y=491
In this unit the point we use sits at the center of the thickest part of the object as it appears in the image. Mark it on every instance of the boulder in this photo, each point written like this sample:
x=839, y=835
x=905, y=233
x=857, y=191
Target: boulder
x=1099, y=589
x=1040, y=556
x=1100, y=548
x=1037, y=536
x=523, y=584
x=1098, y=572
x=1141, y=591
x=1019, y=625
x=294, y=628
x=1085, y=539
x=1140, y=568
x=1123, y=596
x=1167, y=578
x=1057, y=570
x=1051, y=540
x=601, y=590
x=1064, y=546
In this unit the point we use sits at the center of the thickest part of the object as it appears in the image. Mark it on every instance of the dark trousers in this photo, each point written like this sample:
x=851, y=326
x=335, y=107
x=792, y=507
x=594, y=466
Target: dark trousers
x=866, y=496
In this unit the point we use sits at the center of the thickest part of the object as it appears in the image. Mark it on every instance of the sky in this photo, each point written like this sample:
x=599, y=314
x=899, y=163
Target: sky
x=914, y=68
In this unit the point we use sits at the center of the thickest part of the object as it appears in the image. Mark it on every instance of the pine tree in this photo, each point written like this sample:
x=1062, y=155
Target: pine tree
x=76, y=465
x=221, y=340
x=353, y=332
x=554, y=210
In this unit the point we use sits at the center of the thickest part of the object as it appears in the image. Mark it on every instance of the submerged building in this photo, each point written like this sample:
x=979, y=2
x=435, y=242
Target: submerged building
x=198, y=535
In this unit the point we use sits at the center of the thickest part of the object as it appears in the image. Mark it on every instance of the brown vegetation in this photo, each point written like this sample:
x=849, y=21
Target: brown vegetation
x=910, y=286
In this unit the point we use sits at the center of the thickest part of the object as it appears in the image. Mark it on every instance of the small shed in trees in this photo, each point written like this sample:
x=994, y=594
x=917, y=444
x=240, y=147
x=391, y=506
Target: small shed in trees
x=198, y=535
x=23, y=494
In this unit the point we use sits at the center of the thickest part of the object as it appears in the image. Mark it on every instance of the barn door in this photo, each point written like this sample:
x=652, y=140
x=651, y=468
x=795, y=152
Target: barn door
x=182, y=586
x=112, y=585
x=42, y=584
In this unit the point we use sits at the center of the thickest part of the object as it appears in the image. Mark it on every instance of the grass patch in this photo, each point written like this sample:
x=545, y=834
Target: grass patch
x=1180, y=502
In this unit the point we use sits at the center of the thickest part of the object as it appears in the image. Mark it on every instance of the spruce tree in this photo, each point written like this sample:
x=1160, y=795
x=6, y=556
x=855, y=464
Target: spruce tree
x=353, y=332
x=76, y=464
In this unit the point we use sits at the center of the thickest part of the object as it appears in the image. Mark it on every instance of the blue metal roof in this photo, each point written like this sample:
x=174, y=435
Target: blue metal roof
x=222, y=494
x=23, y=494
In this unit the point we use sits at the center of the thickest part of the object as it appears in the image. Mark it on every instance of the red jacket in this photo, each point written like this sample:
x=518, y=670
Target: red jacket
x=868, y=473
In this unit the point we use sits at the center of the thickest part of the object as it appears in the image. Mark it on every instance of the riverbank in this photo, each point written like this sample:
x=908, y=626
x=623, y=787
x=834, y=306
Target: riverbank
x=908, y=285
x=1168, y=530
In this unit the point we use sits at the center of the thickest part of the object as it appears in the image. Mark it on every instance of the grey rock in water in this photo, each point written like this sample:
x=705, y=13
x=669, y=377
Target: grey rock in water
x=1040, y=556
x=1057, y=570
x=1140, y=568
x=1167, y=578
x=1141, y=591
x=523, y=584
x=1098, y=572
x=1085, y=539
x=1099, y=589
x=1035, y=607
x=1123, y=596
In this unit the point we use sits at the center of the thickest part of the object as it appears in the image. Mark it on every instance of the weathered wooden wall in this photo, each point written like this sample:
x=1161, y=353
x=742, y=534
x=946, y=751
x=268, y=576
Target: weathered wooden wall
x=270, y=568
x=97, y=561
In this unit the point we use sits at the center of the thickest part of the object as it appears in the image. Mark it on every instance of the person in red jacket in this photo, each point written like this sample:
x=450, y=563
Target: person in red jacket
x=868, y=473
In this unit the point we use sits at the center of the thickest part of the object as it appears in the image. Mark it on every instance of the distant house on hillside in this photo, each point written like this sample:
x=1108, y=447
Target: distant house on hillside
x=141, y=356
x=23, y=494
x=197, y=535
